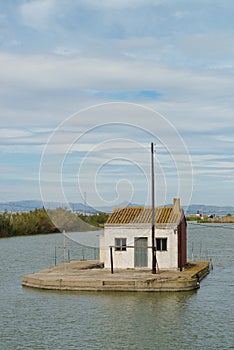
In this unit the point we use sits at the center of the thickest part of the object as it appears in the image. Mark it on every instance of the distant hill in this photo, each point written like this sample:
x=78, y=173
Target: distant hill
x=30, y=205
x=21, y=206
x=209, y=209
x=191, y=209
x=110, y=208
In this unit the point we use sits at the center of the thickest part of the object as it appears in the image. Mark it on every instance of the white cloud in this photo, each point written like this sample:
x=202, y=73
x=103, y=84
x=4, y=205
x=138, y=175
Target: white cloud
x=225, y=138
x=180, y=14
x=51, y=72
x=23, y=141
x=37, y=14
x=211, y=47
x=66, y=51
x=121, y=4
x=13, y=133
x=188, y=96
x=27, y=148
x=87, y=49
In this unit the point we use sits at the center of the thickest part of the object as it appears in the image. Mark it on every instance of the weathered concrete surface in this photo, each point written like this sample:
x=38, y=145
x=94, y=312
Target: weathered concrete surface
x=88, y=276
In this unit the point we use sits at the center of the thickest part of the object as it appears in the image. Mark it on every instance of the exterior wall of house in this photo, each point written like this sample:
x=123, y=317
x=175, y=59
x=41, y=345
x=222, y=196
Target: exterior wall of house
x=168, y=259
x=182, y=243
x=125, y=259
x=101, y=250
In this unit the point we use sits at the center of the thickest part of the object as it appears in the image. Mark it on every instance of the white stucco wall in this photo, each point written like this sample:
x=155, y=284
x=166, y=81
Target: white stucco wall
x=125, y=259
x=168, y=259
x=102, y=250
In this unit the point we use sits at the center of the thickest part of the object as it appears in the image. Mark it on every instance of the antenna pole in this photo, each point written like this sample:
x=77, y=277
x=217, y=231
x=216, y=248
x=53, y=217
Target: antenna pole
x=64, y=249
x=85, y=201
x=153, y=216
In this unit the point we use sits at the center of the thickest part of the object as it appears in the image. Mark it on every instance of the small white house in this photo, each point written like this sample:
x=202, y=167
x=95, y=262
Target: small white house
x=129, y=230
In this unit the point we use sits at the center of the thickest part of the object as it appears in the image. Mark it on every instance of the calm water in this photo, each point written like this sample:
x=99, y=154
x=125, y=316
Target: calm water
x=33, y=319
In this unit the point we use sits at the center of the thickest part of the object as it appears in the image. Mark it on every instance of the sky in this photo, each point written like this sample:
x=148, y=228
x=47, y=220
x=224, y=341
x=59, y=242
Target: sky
x=87, y=85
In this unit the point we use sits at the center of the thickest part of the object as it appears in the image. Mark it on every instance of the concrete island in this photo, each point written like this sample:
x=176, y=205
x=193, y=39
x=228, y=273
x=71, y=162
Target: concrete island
x=91, y=276
x=125, y=259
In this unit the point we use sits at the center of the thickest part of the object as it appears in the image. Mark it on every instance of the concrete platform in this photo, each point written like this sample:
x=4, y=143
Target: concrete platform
x=89, y=276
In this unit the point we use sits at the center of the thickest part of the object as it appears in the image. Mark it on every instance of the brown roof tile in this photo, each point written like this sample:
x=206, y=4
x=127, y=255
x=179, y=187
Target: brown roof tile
x=143, y=215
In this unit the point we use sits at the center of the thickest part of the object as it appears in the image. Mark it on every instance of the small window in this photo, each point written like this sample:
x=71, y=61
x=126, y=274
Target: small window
x=161, y=244
x=120, y=244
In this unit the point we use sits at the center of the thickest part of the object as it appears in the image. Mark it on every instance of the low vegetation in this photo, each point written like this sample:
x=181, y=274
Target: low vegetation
x=41, y=222
x=224, y=219
x=97, y=220
x=33, y=222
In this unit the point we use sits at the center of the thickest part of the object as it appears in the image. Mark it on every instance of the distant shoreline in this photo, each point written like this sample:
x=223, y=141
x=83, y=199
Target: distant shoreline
x=211, y=220
x=31, y=205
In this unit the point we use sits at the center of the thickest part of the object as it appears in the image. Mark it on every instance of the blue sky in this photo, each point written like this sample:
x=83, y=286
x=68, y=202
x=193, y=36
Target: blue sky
x=128, y=58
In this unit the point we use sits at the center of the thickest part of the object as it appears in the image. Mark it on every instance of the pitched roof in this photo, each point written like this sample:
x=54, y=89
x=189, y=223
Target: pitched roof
x=143, y=215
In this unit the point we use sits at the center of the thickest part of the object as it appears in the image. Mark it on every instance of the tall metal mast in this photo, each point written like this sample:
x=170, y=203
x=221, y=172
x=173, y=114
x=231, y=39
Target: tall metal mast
x=153, y=216
x=85, y=203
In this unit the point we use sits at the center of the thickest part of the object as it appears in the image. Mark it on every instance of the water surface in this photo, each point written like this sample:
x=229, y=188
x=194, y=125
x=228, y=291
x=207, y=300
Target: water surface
x=34, y=319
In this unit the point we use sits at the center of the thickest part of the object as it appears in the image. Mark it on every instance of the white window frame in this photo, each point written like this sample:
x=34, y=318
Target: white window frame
x=120, y=244
x=160, y=240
